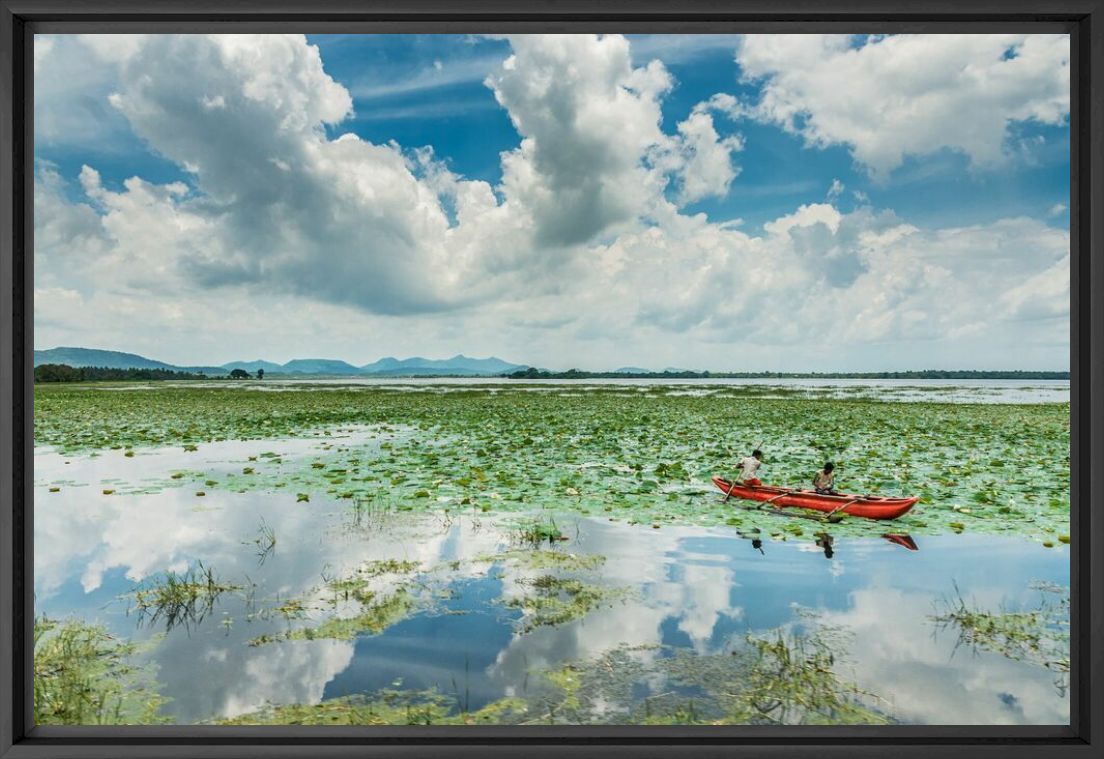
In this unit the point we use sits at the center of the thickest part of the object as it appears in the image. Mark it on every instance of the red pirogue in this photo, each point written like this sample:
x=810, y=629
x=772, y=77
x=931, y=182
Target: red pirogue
x=867, y=506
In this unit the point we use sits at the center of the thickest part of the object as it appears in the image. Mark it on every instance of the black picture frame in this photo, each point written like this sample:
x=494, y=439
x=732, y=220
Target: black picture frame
x=1082, y=19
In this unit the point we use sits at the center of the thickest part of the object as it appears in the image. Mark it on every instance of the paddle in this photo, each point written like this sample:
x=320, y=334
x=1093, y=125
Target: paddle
x=845, y=505
x=786, y=514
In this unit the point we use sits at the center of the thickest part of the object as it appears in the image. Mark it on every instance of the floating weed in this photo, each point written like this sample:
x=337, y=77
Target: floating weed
x=375, y=616
x=1038, y=636
x=557, y=600
x=83, y=675
x=778, y=677
x=387, y=707
x=545, y=559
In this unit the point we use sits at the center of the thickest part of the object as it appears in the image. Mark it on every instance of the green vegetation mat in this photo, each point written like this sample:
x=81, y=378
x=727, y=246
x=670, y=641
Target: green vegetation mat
x=635, y=454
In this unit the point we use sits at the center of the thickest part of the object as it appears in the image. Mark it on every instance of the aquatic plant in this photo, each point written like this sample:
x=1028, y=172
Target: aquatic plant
x=539, y=531
x=83, y=675
x=184, y=598
x=265, y=542
x=558, y=600
x=386, y=707
x=1038, y=635
x=636, y=456
x=779, y=677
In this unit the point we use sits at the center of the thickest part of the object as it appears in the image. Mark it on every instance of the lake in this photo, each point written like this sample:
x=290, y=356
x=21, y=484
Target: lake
x=367, y=565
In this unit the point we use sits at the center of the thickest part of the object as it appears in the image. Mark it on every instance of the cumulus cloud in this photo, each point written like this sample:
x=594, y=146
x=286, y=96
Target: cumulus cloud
x=895, y=96
x=586, y=118
x=582, y=248
x=707, y=169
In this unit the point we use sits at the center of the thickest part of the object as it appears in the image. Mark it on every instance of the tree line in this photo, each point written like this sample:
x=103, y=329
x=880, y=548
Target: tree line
x=534, y=373
x=66, y=373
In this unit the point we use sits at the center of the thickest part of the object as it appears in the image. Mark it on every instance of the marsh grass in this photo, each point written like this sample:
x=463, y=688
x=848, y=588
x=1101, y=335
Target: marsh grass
x=83, y=675
x=778, y=678
x=180, y=598
x=1037, y=636
x=265, y=542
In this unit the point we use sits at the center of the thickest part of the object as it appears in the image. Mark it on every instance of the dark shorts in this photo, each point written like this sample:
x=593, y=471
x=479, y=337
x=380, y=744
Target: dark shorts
x=826, y=491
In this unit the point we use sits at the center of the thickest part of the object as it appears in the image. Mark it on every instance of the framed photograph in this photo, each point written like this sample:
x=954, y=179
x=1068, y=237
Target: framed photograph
x=407, y=378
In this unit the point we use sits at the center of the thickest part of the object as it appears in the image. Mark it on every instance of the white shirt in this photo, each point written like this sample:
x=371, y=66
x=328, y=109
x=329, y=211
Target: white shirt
x=748, y=464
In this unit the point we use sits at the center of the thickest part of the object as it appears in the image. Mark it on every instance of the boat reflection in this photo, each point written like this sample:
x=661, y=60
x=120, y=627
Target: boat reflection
x=902, y=540
x=755, y=537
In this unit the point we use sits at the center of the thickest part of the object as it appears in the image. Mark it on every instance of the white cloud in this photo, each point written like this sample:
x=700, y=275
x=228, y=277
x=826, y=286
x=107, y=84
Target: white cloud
x=587, y=120
x=1058, y=209
x=708, y=169
x=902, y=95
x=288, y=237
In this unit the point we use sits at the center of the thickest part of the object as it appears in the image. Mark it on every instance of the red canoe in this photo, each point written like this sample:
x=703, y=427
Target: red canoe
x=867, y=506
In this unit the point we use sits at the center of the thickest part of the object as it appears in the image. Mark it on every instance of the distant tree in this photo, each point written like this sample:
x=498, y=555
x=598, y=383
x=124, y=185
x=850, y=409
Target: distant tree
x=239, y=374
x=57, y=373
x=260, y=374
x=66, y=373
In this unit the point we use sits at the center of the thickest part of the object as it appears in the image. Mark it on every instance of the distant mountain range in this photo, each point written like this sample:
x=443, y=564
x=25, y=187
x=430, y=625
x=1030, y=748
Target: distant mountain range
x=458, y=365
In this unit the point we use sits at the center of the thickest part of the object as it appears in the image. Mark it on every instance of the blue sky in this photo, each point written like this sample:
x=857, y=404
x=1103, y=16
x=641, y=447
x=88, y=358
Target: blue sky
x=707, y=201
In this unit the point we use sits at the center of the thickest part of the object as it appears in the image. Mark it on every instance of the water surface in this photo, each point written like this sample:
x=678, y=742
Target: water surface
x=679, y=588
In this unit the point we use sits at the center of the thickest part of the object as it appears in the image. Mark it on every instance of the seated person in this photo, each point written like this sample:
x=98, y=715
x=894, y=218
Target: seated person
x=824, y=480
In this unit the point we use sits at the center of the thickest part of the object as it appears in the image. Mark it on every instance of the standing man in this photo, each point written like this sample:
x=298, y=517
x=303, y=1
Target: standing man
x=749, y=465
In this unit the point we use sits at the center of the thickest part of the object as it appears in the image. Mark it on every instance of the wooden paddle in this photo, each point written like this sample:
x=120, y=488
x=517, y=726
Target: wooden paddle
x=785, y=514
x=844, y=506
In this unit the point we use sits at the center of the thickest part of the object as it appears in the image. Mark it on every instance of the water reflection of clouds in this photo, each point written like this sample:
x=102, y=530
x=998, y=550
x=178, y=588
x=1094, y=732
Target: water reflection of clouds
x=897, y=653
x=699, y=587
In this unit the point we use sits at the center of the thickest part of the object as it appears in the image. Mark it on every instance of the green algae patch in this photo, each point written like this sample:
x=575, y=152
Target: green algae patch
x=387, y=707
x=545, y=559
x=555, y=600
x=375, y=616
x=83, y=675
x=376, y=610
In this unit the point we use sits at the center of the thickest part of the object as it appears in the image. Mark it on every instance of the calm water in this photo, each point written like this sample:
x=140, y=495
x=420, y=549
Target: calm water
x=690, y=588
x=942, y=391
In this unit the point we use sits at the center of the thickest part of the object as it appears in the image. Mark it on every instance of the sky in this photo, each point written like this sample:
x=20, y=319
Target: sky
x=760, y=202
